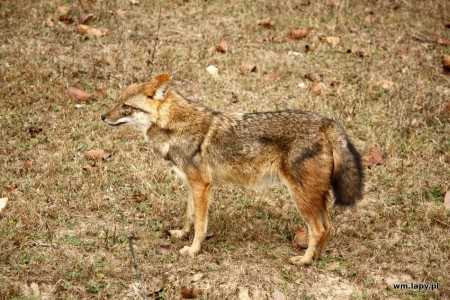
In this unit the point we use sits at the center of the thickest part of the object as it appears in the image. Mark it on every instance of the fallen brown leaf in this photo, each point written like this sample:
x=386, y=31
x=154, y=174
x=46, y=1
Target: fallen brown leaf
x=333, y=40
x=85, y=17
x=247, y=67
x=163, y=250
x=444, y=42
x=64, y=9
x=369, y=17
x=212, y=50
x=372, y=159
x=27, y=165
x=222, y=47
x=66, y=19
x=138, y=197
x=299, y=33
x=91, y=31
x=190, y=293
x=309, y=48
x=265, y=22
x=78, y=94
x=301, y=238
x=446, y=62
x=88, y=168
x=447, y=200
x=97, y=154
x=318, y=88
x=274, y=77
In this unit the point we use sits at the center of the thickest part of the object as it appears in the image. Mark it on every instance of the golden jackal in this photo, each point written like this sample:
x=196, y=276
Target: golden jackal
x=310, y=154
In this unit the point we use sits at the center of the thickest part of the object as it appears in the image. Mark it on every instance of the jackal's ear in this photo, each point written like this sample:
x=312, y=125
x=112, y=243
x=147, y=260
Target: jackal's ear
x=158, y=87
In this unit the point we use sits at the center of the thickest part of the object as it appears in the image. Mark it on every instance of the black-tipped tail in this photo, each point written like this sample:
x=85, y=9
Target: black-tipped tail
x=348, y=175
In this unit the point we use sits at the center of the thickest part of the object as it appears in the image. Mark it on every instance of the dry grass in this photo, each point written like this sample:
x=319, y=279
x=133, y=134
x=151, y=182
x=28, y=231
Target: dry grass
x=64, y=231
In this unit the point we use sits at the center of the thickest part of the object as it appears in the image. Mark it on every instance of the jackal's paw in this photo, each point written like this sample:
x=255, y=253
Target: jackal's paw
x=189, y=250
x=300, y=260
x=178, y=234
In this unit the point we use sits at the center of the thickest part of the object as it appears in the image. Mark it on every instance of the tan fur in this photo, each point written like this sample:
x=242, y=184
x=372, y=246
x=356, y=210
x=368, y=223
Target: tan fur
x=310, y=154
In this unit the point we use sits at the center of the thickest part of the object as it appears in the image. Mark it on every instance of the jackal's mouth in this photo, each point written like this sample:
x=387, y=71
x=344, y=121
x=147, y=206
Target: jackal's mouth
x=116, y=124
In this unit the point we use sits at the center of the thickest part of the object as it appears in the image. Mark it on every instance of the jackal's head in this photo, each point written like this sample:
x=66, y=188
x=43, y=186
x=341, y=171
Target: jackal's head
x=139, y=104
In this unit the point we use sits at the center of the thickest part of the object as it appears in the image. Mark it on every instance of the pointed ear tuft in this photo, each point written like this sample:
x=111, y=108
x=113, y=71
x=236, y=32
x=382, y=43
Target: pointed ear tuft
x=162, y=78
x=158, y=87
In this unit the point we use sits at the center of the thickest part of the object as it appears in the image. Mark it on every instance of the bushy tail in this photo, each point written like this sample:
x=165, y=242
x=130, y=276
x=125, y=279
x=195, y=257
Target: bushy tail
x=348, y=176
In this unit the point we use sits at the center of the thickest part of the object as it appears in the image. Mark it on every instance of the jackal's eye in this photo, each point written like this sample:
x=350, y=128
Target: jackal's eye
x=150, y=96
x=125, y=106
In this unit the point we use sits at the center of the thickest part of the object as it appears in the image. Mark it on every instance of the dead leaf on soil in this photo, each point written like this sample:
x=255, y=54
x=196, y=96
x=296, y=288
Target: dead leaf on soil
x=265, y=22
x=34, y=131
x=247, y=67
x=163, y=250
x=212, y=50
x=333, y=40
x=274, y=77
x=222, y=47
x=66, y=19
x=297, y=34
x=447, y=200
x=97, y=154
x=78, y=94
x=91, y=31
x=64, y=9
x=3, y=202
x=155, y=285
x=277, y=295
x=89, y=168
x=369, y=17
x=301, y=238
x=309, y=48
x=318, y=88
x=27, y=165
x=190, y=293
x=446, y=62
x=13, y=188
x=138, y=197
x=444, y=42
x=373, y=159
x=385, y=84
x=85, y=17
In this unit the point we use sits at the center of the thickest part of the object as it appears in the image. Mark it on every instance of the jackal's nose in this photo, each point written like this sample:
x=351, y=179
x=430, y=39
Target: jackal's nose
x=103, y=117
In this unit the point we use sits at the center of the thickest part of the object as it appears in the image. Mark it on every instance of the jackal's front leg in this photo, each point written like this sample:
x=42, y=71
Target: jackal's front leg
x=189, y=218
x=200, y=192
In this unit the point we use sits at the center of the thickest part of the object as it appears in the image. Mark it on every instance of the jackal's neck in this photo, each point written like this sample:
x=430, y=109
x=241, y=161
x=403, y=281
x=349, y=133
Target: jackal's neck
x=177, y=113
